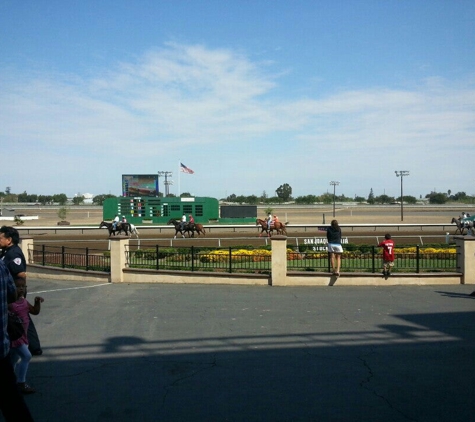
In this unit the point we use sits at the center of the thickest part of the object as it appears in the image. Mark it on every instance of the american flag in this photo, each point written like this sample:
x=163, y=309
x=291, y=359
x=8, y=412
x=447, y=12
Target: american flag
x=185, y=169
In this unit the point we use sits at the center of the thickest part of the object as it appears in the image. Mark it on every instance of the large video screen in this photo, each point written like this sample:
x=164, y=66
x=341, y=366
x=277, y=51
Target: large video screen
x=140, y=185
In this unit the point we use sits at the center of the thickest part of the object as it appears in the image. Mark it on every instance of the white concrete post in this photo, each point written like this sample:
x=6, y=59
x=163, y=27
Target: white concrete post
x=466, y=258
x=26, y=243
x=118, y=248
x=279, y=261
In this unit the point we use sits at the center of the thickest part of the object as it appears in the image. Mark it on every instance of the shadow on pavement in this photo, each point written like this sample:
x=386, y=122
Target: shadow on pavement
x=238, y=353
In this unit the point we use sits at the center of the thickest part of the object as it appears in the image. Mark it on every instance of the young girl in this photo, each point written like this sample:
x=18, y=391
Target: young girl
x=334, y=245
x=20, y=354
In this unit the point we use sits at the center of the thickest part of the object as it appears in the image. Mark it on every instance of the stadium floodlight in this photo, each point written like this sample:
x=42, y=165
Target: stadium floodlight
x=334, y=184
x=401, y=174
x=167, y=182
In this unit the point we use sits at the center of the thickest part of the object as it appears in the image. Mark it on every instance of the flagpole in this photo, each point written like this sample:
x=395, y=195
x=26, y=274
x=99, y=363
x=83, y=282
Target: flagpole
x=179, y=178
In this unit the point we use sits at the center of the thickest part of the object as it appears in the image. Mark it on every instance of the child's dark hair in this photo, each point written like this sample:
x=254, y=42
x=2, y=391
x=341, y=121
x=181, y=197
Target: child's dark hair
x=20, y=277
x=387, y=236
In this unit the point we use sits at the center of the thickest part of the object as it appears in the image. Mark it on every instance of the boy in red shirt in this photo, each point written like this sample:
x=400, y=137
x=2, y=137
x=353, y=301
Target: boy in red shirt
x=388, y=254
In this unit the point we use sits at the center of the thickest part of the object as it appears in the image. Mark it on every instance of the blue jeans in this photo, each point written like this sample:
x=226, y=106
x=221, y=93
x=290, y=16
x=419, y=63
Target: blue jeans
x=21, y=357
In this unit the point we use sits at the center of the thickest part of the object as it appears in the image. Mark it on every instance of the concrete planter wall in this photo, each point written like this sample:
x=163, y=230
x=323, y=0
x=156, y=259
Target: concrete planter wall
x=279, y=277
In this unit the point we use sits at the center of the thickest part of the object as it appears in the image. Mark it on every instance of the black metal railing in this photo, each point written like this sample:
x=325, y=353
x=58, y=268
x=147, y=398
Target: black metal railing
x=200, y=259
x=414, y=259
x=237, y=260
x=78, y=258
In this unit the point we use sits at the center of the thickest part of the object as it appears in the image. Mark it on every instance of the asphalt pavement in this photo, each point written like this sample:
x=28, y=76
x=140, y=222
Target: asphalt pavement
x=151, y=352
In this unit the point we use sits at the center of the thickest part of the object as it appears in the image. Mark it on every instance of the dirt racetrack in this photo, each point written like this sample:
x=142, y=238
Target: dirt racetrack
x=248, y=235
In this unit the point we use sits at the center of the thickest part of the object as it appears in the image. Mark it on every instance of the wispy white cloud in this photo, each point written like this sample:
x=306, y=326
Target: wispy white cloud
x=191, y=98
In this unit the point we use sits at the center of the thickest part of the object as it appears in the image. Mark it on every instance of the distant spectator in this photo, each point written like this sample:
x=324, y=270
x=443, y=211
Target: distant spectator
x=388, y=254
x=334, y=245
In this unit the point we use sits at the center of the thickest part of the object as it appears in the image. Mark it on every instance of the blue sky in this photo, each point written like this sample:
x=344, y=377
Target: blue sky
x=248, y=94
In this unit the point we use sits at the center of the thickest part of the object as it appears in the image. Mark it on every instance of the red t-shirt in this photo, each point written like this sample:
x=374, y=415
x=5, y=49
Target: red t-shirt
x=388, y=249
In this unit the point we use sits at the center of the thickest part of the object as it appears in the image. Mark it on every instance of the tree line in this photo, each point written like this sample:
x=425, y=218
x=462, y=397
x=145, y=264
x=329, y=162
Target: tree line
x=283, y=194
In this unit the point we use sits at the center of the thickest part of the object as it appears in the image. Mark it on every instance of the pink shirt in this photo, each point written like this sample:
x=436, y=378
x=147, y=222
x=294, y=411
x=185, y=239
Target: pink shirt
x=21, y=308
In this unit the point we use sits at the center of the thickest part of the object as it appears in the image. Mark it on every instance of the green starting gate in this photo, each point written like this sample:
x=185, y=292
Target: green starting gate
x=157, y=210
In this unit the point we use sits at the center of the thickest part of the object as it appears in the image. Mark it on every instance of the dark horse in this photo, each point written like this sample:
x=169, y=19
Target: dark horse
x=277, y=226
x=186, y=229
x=119, y=227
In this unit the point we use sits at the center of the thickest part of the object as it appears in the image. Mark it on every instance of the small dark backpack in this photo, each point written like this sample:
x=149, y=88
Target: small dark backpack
x=15, y=327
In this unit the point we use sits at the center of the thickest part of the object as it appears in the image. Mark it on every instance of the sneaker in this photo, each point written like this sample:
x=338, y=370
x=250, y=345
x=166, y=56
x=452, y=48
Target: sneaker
x=25, y=388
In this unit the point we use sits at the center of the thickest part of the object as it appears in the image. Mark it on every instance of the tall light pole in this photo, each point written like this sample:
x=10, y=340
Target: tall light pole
x=334, y=184
x=167, y=182
x=401, y=174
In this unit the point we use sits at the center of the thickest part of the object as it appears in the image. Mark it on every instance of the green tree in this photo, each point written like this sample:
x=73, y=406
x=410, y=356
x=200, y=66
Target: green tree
x=45, y=199
x=63, y=212
x=23, y=197
x=437, y=198
x=306, y=200
x=371, y=197
x=326, y=198
x=383, y=199
x=78, y=200
x=231, y=198
x=241, y=199
x=99, y=199
x=360, y=199
x=60, y=198
x=460, y=196
x=186, y=195
x=410, y=199
x=284, y=192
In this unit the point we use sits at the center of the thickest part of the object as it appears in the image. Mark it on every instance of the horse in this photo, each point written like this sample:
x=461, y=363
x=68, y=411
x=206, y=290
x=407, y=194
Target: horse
x=131, y=228
x=117, y=229
x=277, y=226
x=178, y=229
x=199, y=228
x=463, y=224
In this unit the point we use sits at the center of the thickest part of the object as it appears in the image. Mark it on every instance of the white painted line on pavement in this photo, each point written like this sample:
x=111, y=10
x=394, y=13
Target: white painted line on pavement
x=69, y=288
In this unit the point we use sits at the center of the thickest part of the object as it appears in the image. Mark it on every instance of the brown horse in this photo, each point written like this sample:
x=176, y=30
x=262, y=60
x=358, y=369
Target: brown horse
x=277, y=226
x=199, y=228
